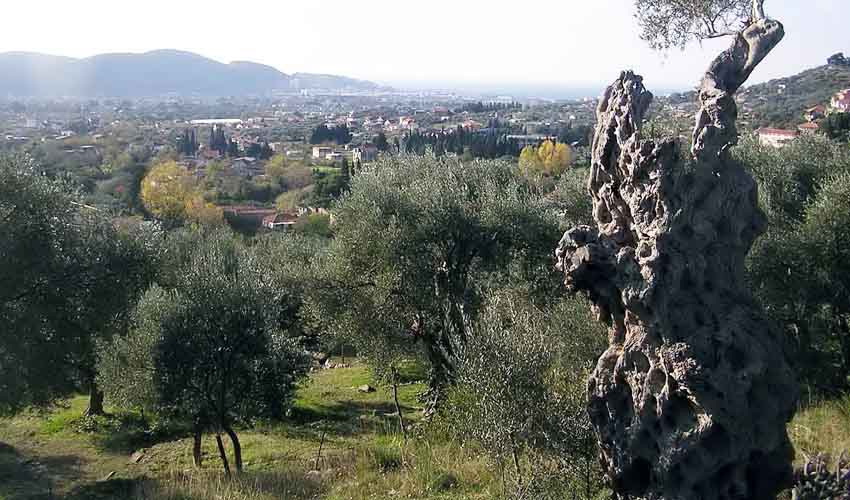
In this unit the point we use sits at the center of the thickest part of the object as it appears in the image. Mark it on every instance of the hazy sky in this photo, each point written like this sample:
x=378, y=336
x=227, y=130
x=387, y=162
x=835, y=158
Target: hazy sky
x=468, y=41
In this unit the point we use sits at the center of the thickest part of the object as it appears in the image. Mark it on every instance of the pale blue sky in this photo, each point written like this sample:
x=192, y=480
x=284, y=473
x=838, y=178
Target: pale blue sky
x=468, y=41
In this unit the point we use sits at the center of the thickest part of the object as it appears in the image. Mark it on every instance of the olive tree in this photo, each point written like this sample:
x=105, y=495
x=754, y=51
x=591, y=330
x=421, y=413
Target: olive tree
x=673, y=23
x=290, y=264
x=825, y=232
x=569, y=199
x=210, y=349
x=521, y=389
x=800, y=192
x=416, y=240
x=69, y=275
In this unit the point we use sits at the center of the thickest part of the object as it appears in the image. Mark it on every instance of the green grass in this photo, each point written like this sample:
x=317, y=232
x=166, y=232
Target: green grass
x=363, y=457
x=822, y=427
x=63, y=452
x=64, y=417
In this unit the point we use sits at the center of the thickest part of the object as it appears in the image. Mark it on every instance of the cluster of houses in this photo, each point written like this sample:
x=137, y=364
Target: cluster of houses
x=418, y=119
x=775, y=137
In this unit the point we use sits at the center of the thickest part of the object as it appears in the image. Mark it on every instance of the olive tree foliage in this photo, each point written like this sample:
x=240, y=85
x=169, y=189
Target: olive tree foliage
x=674, y=23
x=521, y=388
x=69, y=275
x=290, y=264
x=210, y=349
x=826, y=231
x=803, y=191
x=570, y=199
x=417, y=240
x=124, y=263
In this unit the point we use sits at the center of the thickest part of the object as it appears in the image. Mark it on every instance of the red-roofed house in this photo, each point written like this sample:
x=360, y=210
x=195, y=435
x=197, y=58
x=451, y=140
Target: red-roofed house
x=246, y=216
x=471, y=125
x=815, y=113
x=279, y=220
x=775, y=137
x=841, y=101
x=808, y=128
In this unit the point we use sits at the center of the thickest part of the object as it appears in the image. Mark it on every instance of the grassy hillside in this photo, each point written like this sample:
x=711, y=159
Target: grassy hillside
x=59, y=454
x=781, y=102
x=363, y=455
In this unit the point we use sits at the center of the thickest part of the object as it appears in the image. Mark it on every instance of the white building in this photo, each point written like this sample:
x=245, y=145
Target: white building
x=776, y=137
x=365, y=153
x=841, y=101
x=320, y=152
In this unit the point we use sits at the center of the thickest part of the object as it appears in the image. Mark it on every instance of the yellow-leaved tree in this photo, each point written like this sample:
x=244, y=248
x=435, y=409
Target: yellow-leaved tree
x=549, y=159
x=203, y=212
x=170, y=193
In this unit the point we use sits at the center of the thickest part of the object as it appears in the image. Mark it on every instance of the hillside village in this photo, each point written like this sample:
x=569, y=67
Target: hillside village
x=315, y=139
x=510, y=278
x=813, y=116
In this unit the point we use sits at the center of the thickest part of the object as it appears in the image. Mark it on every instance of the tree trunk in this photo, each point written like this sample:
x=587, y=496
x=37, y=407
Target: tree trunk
x=516, y=461
x=844, y=343
x=440, y=374
x=237, y=447
x=692, y=397
x=197, y=456
x=222, y=454
x=397, y=405
x=758, y=10
x=95, y=400
x=443, y=342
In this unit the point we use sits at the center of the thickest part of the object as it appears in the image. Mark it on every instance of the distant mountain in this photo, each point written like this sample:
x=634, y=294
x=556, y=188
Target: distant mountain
x=317, y=81
x=151, y=74
x=781, y=102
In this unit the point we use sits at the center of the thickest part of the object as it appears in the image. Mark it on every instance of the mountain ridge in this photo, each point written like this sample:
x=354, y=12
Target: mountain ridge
x=152, y=74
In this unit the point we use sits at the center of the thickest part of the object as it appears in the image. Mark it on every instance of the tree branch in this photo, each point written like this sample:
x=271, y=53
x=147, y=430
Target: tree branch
x=715, y=130
x=758, y=10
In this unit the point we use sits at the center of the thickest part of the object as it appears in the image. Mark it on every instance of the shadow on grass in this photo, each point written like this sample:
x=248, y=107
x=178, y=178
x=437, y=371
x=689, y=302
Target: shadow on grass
x=127, y=432
x=114, y=489
x=290, y=485
x=348, y=417
x=24, y=477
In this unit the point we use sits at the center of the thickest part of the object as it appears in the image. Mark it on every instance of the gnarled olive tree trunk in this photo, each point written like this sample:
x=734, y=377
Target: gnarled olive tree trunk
x=691, y=399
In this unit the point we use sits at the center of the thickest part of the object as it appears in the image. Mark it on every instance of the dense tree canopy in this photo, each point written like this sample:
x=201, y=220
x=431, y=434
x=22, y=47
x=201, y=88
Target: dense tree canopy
x=338, y=134
x=837, y=126
x=69, y=274
x=171, y=194
x=803, y=191
x=417, y=240
x=212, y=348
x=521, y=384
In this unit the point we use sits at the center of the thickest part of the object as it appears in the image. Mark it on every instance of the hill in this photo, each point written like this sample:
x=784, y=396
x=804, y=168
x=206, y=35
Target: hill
x=781, y=102
x=151, y=74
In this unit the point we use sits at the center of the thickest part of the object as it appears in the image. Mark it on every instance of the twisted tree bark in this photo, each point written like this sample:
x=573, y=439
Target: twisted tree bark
x=691, y=399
